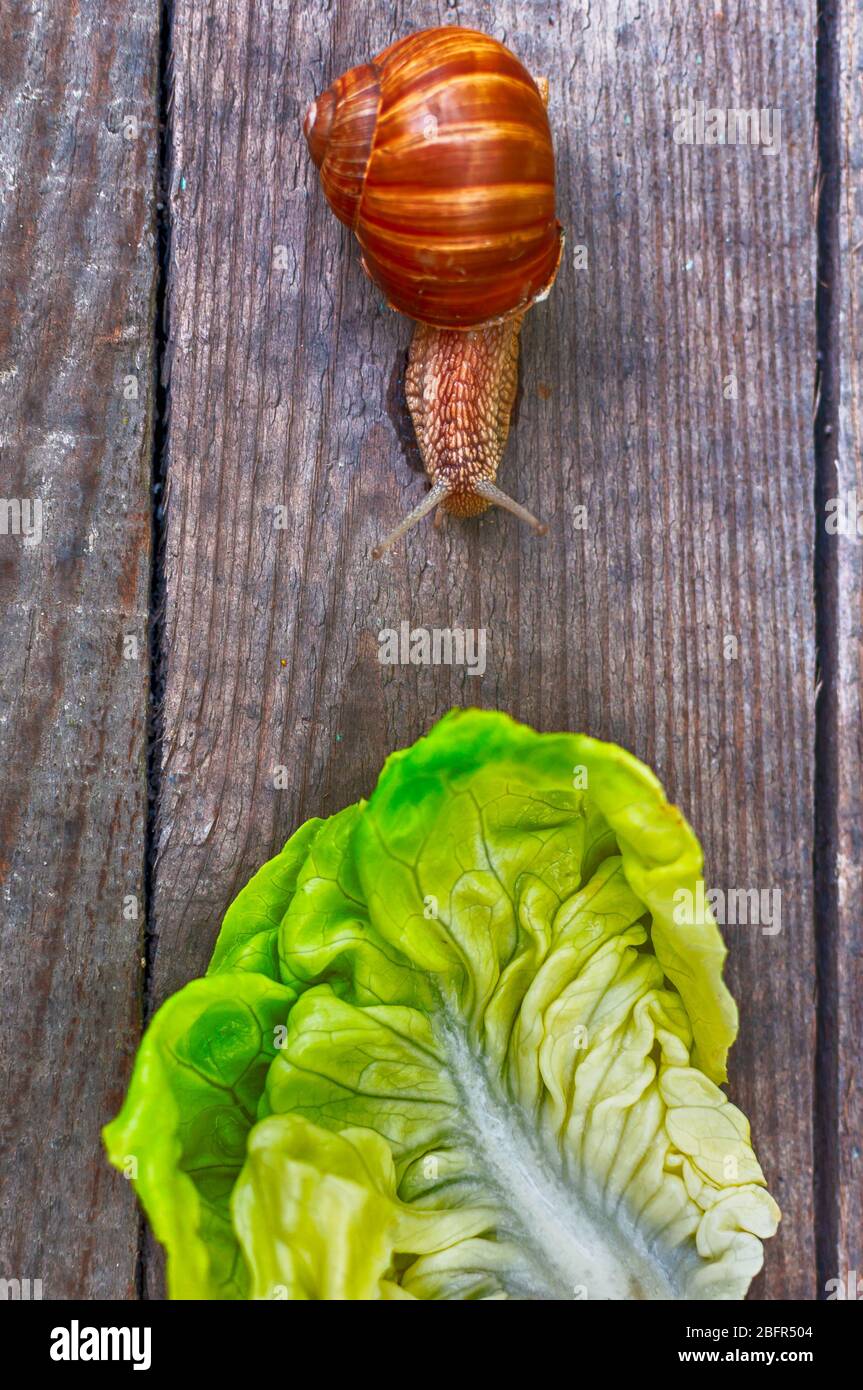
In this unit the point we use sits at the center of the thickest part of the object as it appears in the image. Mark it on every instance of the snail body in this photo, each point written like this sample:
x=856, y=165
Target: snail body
x=437, y=154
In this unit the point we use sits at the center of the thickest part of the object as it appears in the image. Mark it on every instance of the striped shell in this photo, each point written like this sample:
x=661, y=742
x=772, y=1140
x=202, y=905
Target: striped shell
x=438, y=155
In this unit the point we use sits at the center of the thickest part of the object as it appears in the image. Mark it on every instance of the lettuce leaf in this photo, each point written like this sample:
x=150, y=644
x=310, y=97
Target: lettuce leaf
x=458, y=1046
x=182, y=1133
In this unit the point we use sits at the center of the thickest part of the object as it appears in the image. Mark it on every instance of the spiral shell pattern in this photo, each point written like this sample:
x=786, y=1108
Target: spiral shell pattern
x=438, y=155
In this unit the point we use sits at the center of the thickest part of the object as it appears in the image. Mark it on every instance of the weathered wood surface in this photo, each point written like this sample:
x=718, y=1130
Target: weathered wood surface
x=699, y=493
x=848, y=1000
x=77, y=257
x=284, y=392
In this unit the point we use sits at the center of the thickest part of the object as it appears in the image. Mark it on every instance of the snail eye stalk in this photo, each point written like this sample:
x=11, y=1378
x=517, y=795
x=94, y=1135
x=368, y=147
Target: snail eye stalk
x=500, y=499
x=437, y=494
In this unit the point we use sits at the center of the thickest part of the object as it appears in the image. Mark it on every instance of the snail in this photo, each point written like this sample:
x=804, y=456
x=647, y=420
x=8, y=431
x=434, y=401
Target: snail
x=438, y=155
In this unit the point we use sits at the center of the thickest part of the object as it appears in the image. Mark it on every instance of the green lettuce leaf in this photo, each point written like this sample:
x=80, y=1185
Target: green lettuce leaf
x=182, y=1132
x=248, y=939
x=485, y=1060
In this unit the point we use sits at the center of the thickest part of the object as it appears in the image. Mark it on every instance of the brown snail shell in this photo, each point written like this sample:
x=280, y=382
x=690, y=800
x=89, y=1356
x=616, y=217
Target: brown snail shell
x=438, y=155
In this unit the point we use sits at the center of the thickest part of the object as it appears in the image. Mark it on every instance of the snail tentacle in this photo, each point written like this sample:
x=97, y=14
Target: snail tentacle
x=429, y=502
x=500, y=499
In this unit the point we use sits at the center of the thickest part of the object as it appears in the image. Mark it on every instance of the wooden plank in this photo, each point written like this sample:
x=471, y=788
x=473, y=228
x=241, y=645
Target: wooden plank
x=699, y=496
x=848, y=1001
x=78, y=255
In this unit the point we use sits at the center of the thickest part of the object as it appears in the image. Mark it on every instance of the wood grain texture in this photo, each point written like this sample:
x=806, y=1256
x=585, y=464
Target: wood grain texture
x=77, y=250
x=849, y=689
x=285, y=392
